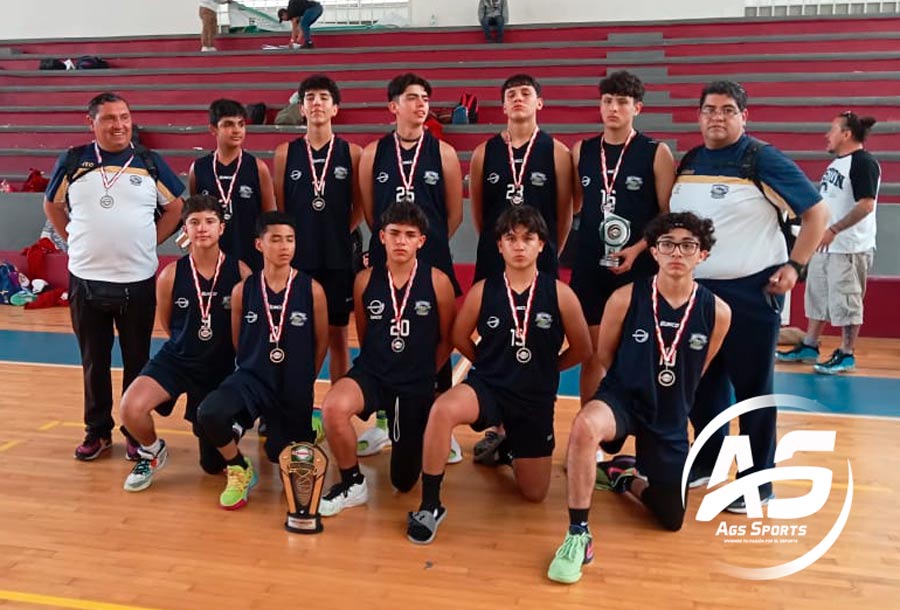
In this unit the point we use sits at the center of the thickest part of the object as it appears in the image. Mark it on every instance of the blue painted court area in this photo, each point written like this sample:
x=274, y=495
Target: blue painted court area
x=844, y=395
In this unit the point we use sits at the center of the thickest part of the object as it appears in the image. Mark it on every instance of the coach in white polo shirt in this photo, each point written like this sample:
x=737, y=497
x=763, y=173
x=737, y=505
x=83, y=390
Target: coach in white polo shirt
x=113, y=202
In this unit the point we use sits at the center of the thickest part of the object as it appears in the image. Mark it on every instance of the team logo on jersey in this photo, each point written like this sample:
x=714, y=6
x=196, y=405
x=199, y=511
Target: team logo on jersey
x=423, y=308
x=640, y=335
x=538, y=178
x=585, y=181
x=135, y=180
x=245, y=191
x=296, y=175
x=375, y=308
x=493, y=178
x=493, y=322
x=718, y=191
x=298, y=318
x=382, y=177
x=431, y=178
x=204, y=192
x=226, y=302
x=340, y=172
x=634, y=183
x=250, y=317
x=698, y=341
x=181, y=302
x=542, y=319
x=667, y=324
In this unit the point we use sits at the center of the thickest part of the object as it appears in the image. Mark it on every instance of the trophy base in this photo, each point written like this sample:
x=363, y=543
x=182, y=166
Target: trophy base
x=609, y=262
x=303, y=524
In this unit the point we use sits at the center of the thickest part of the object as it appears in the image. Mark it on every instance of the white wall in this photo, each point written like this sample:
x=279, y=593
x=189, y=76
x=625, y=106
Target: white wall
x=464, y=12
x=98, y=18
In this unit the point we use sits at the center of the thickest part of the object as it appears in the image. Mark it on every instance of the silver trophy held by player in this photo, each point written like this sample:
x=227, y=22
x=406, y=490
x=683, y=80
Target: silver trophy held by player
x=303, y=467
x=615, y=232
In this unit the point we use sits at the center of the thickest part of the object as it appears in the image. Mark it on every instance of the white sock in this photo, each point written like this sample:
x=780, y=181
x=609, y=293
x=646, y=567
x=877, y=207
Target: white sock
x=153, y=448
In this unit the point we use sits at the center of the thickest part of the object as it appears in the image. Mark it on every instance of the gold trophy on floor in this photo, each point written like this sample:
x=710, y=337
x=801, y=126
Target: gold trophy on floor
x=303, y=467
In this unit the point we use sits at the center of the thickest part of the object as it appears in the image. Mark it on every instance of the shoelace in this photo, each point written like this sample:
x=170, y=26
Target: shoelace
x=236, y=477
x=142, y=467
x=569, y=548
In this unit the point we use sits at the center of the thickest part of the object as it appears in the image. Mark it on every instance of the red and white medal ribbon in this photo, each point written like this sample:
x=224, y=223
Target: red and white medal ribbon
x=518, y=196
x=408, y=181
x=319, y=182
x=398, y=344
x=668, y=354
x=108, y=183
x=205, y=308
x=523, y=354
x=277, y=354
x=226, y=198
x=609, y=184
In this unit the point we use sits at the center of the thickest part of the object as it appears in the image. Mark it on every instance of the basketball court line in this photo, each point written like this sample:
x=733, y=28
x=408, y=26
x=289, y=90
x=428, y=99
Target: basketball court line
x=62, y=602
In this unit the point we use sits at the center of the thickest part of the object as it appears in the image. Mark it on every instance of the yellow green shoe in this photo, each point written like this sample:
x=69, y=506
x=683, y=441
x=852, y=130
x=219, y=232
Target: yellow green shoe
x=240, y=481
x=576, y=550
x=318, y=426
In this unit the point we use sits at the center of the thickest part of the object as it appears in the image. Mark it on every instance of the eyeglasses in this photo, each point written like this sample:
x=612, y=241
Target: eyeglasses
x=729, y=112
x=687, y=248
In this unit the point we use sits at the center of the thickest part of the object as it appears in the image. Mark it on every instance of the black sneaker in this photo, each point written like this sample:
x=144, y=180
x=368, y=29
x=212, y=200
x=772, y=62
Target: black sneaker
x=739, y=506
x=421, y=526
x=698, y=478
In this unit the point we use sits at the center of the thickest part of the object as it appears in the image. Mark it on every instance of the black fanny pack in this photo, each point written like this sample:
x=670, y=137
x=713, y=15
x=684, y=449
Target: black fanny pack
x=106, y=296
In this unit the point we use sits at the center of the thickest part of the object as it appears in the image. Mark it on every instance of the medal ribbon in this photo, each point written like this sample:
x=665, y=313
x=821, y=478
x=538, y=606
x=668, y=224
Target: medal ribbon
x=226, y=199
x=609, y=184
x=319, y=183
x=668, y=354
x=275, y=331
x=205, y=309
x=398, y=313
x=109, y=183
x=521, y=332
x=517, y=179
x=408, y=182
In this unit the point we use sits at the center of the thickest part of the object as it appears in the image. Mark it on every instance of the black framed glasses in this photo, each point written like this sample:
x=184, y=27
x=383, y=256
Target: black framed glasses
x=687, y=248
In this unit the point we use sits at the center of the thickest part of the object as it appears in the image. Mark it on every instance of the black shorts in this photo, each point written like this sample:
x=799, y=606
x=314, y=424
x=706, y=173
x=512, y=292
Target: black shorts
x=593, y=285
x=338, y=287
x=177, y=379
x=529, y=429
x=407, y=413
x=660, y=457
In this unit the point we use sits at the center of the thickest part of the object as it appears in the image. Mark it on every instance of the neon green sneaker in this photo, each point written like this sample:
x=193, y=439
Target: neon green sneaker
x=576, y=550
x=318, y=426
x=240, y=482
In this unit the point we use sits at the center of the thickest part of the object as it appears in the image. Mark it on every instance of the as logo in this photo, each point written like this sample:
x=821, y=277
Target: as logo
x=493, y=322
x=340, y=172
x=423, y=308
x=431, y=177
x=493, y=178
x=245, y=192
x=296, y=175
x=298, y=318
x=634, y=183
x=697, y=341
x=585, y=181
x=375, y=308
x=135, y=180
x=181, y=303
x=718, y=191
x=543, y=320
x=640, y=335
x=382, y=177
x=250, y=317
x=538, y=178
x=793, y=446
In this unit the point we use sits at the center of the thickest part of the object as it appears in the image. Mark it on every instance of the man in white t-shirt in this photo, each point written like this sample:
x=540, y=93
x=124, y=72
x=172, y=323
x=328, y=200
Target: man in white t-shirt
x=836, y=282
x=209, y=10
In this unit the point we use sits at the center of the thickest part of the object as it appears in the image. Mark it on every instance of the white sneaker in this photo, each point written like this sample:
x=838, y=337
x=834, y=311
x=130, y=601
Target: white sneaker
x=456, y=454
x=141, y=475
x=372, y=441
x=208, y=49
x=338, y=498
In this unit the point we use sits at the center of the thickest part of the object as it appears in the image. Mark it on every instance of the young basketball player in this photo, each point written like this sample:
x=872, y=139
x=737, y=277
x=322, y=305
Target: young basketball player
x=193, y=301
x=522, y=317
x=315, y=182
x=657, y=337
x=239, y=180
x=522, y=165
x=280, y=325
x=410, y=164
x=406, y=311
x=624, y=174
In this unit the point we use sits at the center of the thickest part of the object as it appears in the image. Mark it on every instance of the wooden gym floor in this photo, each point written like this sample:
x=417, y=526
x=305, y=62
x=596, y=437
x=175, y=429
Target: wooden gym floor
x=70, y=537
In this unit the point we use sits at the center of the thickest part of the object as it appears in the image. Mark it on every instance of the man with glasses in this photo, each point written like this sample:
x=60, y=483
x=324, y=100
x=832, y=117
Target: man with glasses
x=657, y=336
x=838, y=270
x=743, y=186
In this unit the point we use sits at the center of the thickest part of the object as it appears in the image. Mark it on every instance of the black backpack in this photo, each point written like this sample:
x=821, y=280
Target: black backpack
x=256, y=114
x=749, y=171
x=51, y=64
x=90, y=62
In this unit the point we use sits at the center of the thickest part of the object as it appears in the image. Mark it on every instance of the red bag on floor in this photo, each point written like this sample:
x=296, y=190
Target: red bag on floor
x=35, y=183
x=35, y=254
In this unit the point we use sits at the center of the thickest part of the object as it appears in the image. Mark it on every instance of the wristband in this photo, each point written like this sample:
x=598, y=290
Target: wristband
x=833, y=230
x=800, y=269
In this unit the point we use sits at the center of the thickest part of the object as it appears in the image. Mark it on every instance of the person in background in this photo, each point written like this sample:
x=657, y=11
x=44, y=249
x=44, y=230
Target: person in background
x=209, y=20
x=302, y=14
x=493, y=15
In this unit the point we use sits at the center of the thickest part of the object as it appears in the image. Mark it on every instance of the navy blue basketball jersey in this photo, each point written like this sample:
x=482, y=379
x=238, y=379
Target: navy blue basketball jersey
x=215, y=354
x=323, y=223
x=239, y=238
x=499, y=193
x=401, y=355
x=635, y=192
x=428, y=193
x=527, y=372
x=636, y=366
x=295, y=374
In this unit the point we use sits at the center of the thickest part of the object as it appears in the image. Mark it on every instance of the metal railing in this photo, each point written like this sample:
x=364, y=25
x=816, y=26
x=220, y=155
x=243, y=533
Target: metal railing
x=340, y=12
